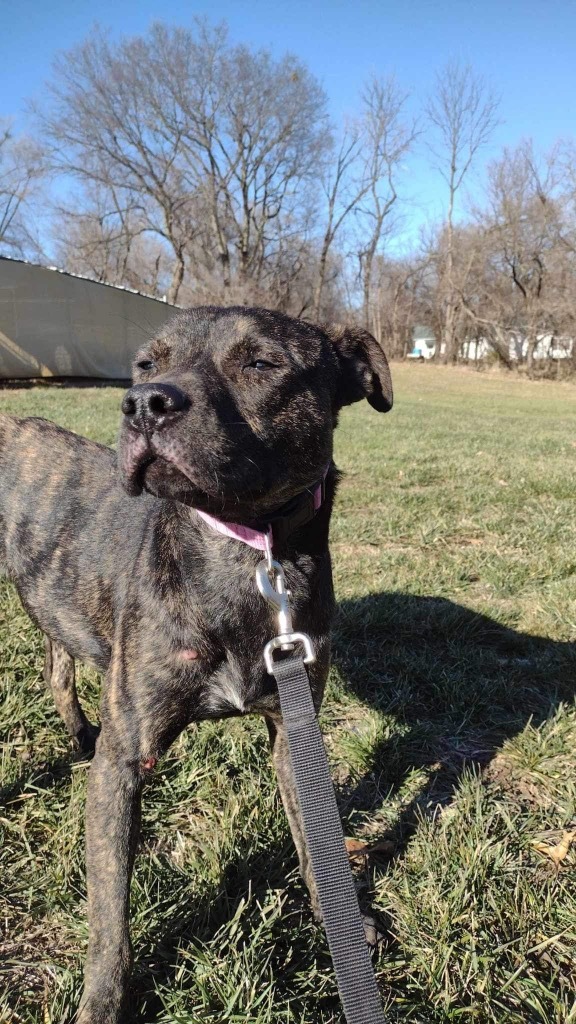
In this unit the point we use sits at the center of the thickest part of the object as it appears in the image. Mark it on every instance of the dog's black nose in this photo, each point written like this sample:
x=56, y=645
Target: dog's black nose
x=151, y=405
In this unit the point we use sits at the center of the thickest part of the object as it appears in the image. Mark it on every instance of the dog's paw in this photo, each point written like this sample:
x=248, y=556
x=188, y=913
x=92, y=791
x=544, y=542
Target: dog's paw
x=86, y=737
x=373, y=930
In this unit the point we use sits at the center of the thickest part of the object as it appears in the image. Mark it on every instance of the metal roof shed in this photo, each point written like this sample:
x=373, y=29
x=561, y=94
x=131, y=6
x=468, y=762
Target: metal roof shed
x=55, y=324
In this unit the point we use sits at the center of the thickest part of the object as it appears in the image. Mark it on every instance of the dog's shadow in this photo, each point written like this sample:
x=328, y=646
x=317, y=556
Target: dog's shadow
x=175, y=954
x=457, y=683
x=452, y=684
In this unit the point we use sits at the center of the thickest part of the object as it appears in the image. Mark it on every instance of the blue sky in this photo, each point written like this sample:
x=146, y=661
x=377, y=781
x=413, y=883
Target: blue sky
x=526, y=49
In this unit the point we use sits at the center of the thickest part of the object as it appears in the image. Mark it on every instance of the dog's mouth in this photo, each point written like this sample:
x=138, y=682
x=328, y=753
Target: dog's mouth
x=137, y=482
x=143, y=468
x=159, y=476
x=159, y=467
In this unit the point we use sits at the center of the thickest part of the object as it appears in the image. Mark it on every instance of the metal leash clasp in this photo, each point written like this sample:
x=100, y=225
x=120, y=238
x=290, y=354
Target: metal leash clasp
x=271, y=583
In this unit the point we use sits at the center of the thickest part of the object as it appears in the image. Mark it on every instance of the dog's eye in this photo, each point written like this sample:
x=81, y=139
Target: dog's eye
x=260, y=364
x=145, y=364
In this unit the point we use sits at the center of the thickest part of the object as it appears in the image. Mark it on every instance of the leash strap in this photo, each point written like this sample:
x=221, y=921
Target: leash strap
x=325, y=841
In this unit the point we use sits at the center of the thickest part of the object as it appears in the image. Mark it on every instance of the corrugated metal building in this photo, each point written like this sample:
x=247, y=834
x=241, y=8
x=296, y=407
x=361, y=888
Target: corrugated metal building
x=55, y=324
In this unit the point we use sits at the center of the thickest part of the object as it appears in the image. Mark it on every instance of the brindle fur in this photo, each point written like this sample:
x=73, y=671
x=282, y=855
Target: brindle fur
x=139, y=587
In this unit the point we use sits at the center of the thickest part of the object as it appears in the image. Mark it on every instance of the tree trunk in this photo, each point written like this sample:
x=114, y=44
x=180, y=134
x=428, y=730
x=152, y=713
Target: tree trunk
x=530, y=349
x=321, y=277
x=450, y=342
x=448, y=332
x=177, y=278
x=366, y=289
x=224, y=260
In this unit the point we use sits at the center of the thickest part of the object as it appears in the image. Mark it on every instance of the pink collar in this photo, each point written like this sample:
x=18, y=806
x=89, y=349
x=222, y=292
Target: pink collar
x=261, y=540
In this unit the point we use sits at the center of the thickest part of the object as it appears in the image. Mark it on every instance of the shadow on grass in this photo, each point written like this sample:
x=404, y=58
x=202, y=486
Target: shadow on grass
x=179, y=940
x=43, y=776
x=457, y=682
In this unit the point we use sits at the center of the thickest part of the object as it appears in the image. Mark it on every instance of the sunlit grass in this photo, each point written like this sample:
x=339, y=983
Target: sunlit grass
x=450, y=725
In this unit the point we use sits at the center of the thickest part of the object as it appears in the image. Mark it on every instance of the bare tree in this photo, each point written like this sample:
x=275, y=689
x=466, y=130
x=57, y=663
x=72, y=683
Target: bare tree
x=463, y=113
x=110, y=244
x=387, y=138
x=208, y=146
x=362, y=181
x=530, y=268
x=514, y=264
x=255, y=131
x=344, y=187
x=484, y=314
x=400, y=301
x=22, y=170
x=102, y=131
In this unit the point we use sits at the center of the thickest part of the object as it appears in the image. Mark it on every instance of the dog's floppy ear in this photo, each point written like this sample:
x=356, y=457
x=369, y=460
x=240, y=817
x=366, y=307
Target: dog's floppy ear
x=364, y=370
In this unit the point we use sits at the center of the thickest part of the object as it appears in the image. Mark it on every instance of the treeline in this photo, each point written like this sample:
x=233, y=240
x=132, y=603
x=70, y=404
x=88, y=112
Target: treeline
x=186, y=167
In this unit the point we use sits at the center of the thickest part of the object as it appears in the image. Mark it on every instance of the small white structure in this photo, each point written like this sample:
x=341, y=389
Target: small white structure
x=423, y=343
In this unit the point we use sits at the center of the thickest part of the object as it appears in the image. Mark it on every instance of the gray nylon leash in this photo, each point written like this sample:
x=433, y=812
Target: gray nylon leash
x=325, y=841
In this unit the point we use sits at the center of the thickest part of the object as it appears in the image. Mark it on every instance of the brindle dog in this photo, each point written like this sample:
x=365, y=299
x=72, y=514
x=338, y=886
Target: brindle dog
x=232, y=413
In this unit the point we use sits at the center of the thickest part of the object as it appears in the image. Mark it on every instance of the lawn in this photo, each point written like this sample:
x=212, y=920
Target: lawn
x=450, y=725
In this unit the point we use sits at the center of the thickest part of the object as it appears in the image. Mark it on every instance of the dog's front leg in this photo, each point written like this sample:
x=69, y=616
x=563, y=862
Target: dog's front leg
x=112, y=827
x=287, y=787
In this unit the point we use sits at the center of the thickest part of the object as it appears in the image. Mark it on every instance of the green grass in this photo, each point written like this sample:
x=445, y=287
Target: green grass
x=450, y=724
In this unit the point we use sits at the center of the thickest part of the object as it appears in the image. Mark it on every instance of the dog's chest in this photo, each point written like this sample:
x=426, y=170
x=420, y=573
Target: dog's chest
x=218, y=646
x=229, y=671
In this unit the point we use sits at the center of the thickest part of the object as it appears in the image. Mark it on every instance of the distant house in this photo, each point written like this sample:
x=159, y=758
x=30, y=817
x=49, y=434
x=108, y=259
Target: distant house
x=475, y=349
x=548, y=346
x=55, y=324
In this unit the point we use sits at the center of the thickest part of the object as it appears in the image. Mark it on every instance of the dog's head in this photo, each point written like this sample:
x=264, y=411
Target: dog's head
x=232, y=410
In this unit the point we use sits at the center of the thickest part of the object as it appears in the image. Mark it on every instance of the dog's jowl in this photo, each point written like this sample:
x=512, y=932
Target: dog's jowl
x=133, y=562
